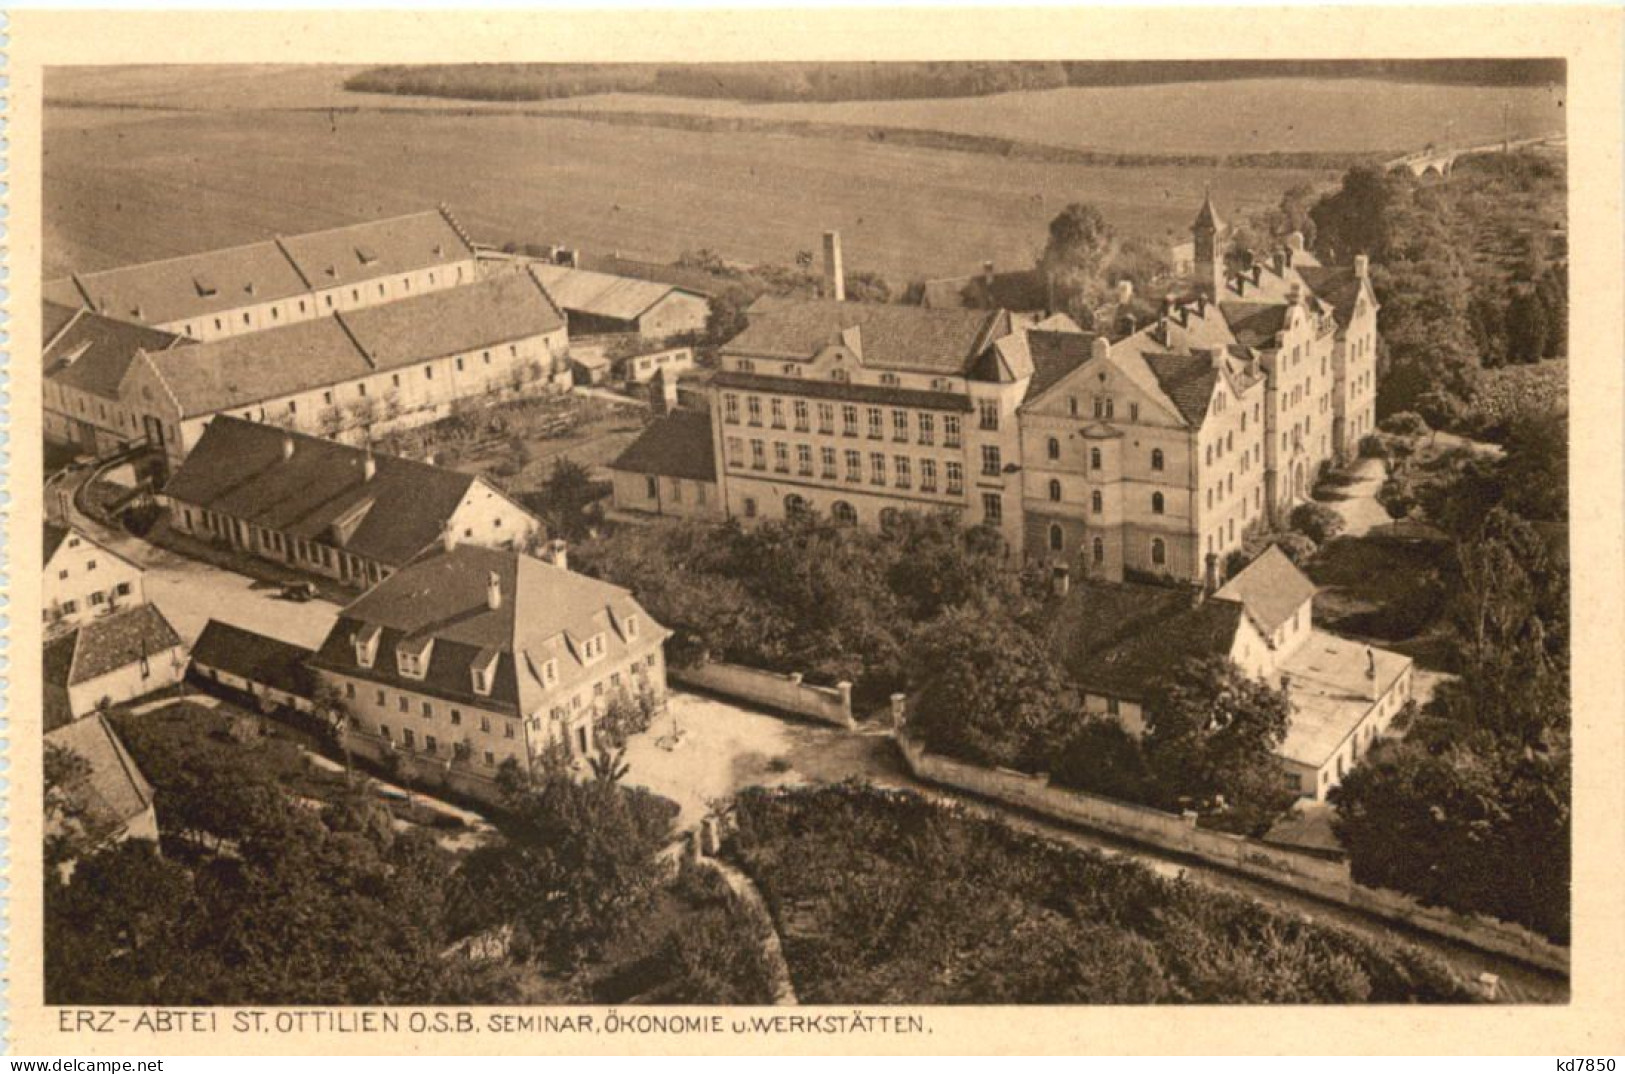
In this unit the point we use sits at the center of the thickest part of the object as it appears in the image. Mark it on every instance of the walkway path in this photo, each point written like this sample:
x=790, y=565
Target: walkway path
x=1359, y=507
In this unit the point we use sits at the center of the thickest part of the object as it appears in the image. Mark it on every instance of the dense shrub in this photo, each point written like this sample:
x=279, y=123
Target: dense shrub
x=1514, y=392
x=1406, y=423
x=1317, y=522
x=884, y=897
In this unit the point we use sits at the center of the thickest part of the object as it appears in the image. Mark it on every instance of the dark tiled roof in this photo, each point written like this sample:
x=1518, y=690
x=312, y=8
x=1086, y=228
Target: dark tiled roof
x=196, y=285
x=502, y=308
x=94, y=352
x=242, y=370
x=1255, y=324
x=903, y=338
x=1119, y=640
x=1271, y=587
x=107, y=644
x=321, y=492
x=113, y=792
x=1339, y=288
x=1023, y=292
x=1208, y=215
x=255, y=657
x=54, y=536
x=545, y=613
x=54, y=317
x=1054, y=355
x=857, y=393
x=375, y=248
x=1186, y=379
x=677, y=445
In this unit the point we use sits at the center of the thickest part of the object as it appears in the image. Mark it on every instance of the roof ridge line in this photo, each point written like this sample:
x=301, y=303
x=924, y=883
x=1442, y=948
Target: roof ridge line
x=295, y=264
x=349, y=333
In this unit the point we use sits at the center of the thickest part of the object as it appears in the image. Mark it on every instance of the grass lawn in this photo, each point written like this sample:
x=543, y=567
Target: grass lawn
x=1386, y=586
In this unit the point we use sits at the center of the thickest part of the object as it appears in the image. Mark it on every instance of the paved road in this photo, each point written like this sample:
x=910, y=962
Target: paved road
x=1359, y=507
x=726, y=747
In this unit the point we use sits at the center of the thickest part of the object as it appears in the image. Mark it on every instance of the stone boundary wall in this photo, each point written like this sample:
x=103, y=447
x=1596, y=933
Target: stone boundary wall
x=1313, y=876
x=787, y=693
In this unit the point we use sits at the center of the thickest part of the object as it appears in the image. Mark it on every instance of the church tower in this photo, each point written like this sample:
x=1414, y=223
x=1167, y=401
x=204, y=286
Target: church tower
x=1208, y=233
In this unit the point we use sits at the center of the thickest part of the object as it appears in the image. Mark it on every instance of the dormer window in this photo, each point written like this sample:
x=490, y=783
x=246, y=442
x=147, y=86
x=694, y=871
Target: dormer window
x=550, y=673
x=366, y=646
x=205, y=286
x=593, y=649
x=412, y=658
x=483, y=672
x=631, y=626
x=366, y=256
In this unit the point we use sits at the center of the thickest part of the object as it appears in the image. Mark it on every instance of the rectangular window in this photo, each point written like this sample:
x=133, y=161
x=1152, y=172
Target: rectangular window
x=406, y=703
x=928, y=430
x=899, y=426
x=877, y=421
x=950, y=430
x=928, y=475
x=428, y=711
x=383, y=698
x=457, y=717
x=854, y=466
x=905, y=478
x=991, y=464
x=753, y=410
x=758, y=455
x=409, y=738
x=736, y=451
x=826, y=417
x=992, y=508
x=989, y=409
x=800, y=410
x=877, y=469
x=804, y=460
x=826, y=458
x=778, y=413
x=730, y=409
x=956, y=478
x=429, y=744
x=849, y=419
x=781, y=457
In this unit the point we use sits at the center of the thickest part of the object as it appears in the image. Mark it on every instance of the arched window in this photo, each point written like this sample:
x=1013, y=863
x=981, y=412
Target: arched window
x=844, y=513
x=795, y=505
x=1156, y=503
x=1099, y=550
x=1094, y=458
x=1159, y=552
x=1156, y=458
x=1055, y=490
x=1097, y=503
x=889, y=518
x=1057, y=540
x=1054, y=448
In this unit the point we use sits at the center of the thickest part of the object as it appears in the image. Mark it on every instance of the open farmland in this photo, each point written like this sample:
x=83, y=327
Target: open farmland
x=160, y=186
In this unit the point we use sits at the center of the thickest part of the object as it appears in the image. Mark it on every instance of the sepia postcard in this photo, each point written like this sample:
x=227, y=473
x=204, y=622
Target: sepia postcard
x=909, y=531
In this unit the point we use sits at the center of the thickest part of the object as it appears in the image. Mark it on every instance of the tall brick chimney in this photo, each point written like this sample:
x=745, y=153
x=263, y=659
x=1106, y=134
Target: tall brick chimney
x=834, y=271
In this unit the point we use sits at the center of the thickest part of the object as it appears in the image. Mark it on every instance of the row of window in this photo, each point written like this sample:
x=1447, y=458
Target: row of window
x=651, y=488
x=276, y=311
x=97, y=599
x=855, y=421
x=899, y=471
x=841, y=376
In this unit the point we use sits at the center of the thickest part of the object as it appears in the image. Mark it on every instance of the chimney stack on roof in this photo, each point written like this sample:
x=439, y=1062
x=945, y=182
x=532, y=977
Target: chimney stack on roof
x=1294, y=295
x=987, y=273
x=1279, y=261
x=1216, y=354
x=834, y=273
x=1362, y=266
x=1294, y=242
x=1125, y=292
x=287, y=445
x=493, y=591
x=369, y=465
x=1099, y=347
x=448, y=537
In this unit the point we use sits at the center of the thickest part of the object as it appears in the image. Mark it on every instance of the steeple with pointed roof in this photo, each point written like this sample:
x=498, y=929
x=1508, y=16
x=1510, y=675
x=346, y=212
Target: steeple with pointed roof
x=1207, y=231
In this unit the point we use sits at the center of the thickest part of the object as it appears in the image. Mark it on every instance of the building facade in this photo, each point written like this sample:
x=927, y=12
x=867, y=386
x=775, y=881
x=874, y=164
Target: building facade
x=669, y=471
x=471, y=659
x=84, y=580
x=110, y=660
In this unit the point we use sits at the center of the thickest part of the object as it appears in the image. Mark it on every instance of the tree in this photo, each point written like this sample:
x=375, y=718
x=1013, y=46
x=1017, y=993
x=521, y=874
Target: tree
x=69, y=823
x=567, y=493
x=1406, y=423
x=986, y=691
x=1355, y=219
x=1211, y=733
x=1080, y=247
x=1526, y=327
x=1317, y=522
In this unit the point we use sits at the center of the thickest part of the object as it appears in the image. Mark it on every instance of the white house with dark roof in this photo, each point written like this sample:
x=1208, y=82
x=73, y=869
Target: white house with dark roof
x=669, y=471
x=469, y=658
x=116, y=658
x=403, y=363
x=317, y=505
x=86, y=356
x=282, y=280
x=84, y=580
x=108, y=800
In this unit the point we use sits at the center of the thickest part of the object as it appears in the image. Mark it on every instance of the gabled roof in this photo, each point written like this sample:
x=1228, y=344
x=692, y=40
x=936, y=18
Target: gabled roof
x=55, y=536
x=113, y=792
x=1054, y=355
x=503, y=307
x=677, y=445
x=106, y=644
x=901, y=338
x=1338, y=287
x=1120, y=639
x=1023, y=291
x=443, y=595
x=55, y=316
x=358, y=252
x=1255, y=324
x=238, y=371
x=1272, y=589
x=694, y=280
x=93, y=353
x=255, y=657
x=321, y=491
x=1188, y=381
x=192, y=286
x=597, y=294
